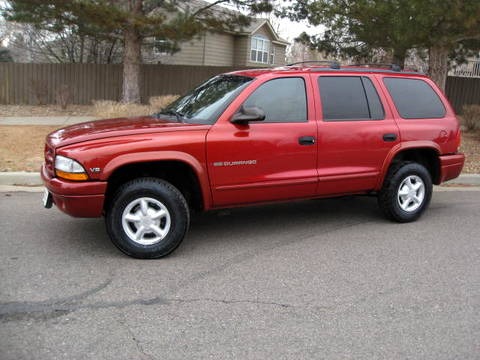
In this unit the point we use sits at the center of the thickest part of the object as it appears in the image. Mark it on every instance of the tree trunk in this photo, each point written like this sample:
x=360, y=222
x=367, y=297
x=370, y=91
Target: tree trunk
x=438, y=65
x=131, y=67
x=399, y=57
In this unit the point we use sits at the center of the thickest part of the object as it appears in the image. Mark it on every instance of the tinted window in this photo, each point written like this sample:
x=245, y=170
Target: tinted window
x=349, y=98
x=374, y=103
x=283, y=100
x=414, y=98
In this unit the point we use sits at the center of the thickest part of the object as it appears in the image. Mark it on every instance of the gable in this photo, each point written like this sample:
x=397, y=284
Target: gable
x=263, y=28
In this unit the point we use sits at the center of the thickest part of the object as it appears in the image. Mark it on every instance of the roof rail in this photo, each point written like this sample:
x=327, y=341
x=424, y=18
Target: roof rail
x=333, y=63
x=393, y=67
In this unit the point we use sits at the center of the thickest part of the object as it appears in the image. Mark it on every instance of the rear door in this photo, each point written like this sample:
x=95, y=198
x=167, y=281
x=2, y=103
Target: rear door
x=355, y=132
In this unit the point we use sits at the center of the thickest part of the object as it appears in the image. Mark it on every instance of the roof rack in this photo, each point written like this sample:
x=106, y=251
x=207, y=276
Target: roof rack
x=393, y=67
x=332, y=63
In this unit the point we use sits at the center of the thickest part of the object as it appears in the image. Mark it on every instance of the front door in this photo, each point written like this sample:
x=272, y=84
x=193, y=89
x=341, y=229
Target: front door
x=268, y=160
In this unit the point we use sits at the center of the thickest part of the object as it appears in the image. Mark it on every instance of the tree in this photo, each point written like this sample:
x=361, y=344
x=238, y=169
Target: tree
x=357, y=28
x=132, y=21
x=5, y=55
x=28, y=44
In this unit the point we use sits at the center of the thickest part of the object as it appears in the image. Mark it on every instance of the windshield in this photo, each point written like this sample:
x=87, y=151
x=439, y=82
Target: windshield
x=205, y=103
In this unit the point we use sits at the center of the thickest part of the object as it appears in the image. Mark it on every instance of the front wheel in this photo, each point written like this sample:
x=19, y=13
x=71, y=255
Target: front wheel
x=148, y=218
x=406, y=192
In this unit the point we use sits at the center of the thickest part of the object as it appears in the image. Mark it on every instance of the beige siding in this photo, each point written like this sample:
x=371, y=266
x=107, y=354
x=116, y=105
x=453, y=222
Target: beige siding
x=242, y=50
x=263, y=31
x=219, y=49
x=191, y=53
x=279, y=59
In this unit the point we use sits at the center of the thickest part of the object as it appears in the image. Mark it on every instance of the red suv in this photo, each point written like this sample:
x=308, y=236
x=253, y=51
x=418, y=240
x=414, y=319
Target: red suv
x=257, y=136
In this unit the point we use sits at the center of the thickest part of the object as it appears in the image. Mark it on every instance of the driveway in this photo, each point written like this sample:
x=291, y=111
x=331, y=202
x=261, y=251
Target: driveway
x=315, y=279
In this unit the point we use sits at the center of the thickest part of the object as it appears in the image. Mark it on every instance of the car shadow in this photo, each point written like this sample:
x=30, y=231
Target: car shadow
x=89, y=236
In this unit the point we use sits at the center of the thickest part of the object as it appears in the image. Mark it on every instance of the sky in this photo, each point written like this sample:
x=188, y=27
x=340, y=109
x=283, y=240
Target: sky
x=290, y=30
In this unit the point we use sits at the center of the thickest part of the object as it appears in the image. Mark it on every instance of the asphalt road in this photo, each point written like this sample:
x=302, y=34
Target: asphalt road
x=322, y=279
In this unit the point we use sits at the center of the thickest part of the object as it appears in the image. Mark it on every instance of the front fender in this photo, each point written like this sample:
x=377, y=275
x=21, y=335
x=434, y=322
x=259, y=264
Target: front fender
x=155, y=156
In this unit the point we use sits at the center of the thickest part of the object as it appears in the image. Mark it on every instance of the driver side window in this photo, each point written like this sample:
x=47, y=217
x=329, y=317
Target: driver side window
x=283, y=100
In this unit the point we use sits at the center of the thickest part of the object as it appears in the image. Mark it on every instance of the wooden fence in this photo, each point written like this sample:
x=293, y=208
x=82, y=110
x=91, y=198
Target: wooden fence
x=463, y=91
x=40, y=83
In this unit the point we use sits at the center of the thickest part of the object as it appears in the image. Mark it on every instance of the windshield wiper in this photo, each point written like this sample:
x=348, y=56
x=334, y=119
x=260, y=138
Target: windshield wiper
x=178, y=115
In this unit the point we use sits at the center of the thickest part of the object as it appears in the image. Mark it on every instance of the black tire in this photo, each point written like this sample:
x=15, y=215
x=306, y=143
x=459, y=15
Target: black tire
x=401, y=178
x=160, y=218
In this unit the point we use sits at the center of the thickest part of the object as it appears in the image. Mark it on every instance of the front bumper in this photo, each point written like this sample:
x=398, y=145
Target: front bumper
x=451, y=166
x=76, y=198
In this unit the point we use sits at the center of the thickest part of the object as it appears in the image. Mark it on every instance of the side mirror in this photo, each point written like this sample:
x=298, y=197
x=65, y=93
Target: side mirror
x=245, y=115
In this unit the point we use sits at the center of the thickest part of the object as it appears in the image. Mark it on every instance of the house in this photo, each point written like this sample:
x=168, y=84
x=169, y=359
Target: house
x=255, y=45
x=469, y=68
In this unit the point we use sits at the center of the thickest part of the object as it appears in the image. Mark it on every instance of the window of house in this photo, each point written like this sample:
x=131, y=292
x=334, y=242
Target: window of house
x=260, y=49
x=282, y=100
x=163, y=46
x=414, y=98
x=349, y=98
x=272, y=56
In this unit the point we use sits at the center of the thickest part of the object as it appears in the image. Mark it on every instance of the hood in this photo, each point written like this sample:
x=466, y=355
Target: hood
x=99, y=129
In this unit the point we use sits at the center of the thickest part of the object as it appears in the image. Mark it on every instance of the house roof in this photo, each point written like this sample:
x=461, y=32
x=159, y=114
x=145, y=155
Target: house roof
x=254, y=26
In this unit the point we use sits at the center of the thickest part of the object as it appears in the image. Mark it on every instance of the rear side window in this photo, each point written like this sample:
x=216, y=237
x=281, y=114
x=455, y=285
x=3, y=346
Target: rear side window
x=414, y=98
x=283, y=100
x=349, y=98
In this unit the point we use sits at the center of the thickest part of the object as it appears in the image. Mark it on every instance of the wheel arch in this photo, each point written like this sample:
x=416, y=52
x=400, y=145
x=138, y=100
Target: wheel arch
x=424, y=153
x=181, y=170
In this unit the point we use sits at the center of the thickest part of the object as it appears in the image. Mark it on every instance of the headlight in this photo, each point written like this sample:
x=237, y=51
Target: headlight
x=69, y=169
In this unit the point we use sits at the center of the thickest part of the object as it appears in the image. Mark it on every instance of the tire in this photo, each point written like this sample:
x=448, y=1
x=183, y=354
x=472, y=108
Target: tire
x=148, y=218
x=406, y=192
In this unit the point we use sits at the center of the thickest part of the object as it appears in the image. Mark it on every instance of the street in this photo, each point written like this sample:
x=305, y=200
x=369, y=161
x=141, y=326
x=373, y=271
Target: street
x=318, y=279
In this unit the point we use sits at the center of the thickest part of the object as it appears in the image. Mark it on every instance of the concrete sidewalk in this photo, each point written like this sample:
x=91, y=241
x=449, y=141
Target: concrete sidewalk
x=44, y=120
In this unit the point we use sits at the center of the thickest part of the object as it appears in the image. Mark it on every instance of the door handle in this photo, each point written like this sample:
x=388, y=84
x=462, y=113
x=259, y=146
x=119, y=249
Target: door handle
x=389, y=137
x=306, y=140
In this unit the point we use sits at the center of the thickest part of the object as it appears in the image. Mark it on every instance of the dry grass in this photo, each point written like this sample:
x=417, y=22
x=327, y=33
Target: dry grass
x=471, y=147
x=100, y=109
x=471, y=117
x=113, y=109
x=21, y=148
x=45, y=110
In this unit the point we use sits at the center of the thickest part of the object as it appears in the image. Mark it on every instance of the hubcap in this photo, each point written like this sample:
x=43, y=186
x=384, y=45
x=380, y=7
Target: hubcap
x=411, y=193
x=146, y=221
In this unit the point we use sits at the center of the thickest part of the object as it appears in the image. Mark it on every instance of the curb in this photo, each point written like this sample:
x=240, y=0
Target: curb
x=23, y=178
x=466, y=179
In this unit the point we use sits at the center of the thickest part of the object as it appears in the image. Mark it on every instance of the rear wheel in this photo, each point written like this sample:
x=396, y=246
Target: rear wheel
x=148, y=218
x=406, y=192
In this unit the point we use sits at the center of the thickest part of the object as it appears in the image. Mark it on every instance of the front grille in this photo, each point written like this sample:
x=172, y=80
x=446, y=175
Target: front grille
x=49, y=160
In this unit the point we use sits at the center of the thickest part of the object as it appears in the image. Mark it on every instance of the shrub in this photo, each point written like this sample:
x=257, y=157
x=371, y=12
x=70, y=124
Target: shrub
x=64, y=96
x=160, y=102
x=113, y=109
x=471, y=117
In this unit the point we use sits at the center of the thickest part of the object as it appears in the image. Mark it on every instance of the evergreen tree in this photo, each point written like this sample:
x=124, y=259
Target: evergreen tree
x=356, y=28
